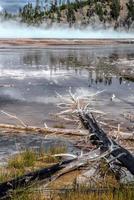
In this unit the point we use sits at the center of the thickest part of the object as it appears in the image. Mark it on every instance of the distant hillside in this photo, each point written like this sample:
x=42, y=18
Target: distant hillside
x=96, y=13
x=106, y=13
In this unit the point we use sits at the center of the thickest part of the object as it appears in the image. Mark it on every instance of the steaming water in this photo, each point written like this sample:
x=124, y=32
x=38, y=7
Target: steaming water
x=16, y=30
x=29, y=79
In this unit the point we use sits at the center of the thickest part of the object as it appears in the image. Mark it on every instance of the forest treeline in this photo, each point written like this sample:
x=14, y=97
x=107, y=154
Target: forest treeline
x=108, y=13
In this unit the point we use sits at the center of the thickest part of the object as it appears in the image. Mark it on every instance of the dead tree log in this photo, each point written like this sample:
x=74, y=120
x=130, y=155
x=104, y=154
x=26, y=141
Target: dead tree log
x=27, y=179
x=99, y=138
x=45, y=130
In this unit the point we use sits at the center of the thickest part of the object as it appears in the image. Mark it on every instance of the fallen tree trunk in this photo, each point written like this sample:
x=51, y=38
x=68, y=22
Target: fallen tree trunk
x=45, y=130
x=99, y=138
x=27, y=179
x=59, y=131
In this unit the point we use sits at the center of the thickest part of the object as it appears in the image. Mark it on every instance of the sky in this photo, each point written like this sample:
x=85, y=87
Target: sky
x=13, y=5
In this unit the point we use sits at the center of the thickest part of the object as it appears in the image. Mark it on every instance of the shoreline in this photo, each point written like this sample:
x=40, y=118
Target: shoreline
x=40, y=42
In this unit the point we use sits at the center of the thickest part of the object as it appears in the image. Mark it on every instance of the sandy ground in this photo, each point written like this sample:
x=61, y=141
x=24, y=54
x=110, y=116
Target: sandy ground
x=50, y=42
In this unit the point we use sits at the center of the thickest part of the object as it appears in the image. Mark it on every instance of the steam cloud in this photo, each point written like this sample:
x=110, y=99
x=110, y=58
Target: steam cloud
x=16, y=30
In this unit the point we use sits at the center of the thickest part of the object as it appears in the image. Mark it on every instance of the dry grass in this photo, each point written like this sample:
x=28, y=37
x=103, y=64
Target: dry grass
x=99, y=195
x=29, y=194
x=22, y=160
x=125, y=193
x=29, y=160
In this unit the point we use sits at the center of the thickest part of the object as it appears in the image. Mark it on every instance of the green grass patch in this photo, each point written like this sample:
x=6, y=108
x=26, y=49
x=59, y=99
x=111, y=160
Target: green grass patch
x=25, y=159
x=30, y=160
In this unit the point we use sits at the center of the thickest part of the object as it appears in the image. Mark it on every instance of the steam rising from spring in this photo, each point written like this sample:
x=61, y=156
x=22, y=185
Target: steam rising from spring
x=16, y=30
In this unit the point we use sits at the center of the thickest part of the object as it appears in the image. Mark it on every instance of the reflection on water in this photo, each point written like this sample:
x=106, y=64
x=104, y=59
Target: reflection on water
x=30, y=78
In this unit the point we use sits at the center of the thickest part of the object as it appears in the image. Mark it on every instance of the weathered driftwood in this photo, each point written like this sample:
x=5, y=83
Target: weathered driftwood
x=124, y=135
x=45, y=130
x=99, y=138
x=60, y=131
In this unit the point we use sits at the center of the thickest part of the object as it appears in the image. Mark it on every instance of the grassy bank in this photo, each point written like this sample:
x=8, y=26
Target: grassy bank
x=31, y=160
x=28, y=161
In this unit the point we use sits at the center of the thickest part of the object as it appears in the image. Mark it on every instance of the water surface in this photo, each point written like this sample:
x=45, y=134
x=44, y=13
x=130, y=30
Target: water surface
x=30, y=78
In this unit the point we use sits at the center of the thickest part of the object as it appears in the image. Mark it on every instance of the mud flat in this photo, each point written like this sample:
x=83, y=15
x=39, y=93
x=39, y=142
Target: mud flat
x=59, y=42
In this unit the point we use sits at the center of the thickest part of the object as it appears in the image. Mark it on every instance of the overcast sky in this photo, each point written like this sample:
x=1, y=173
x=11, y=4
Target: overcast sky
x=13, y=5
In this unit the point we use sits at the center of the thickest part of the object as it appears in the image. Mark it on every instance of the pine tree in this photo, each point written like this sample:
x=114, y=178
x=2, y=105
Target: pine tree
x=115, y=9
x=130, y=6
